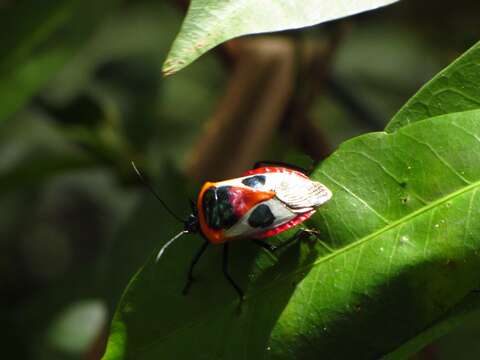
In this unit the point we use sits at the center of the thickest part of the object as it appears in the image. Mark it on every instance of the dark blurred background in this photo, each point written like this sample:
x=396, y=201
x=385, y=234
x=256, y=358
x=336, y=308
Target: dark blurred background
x=81, y=95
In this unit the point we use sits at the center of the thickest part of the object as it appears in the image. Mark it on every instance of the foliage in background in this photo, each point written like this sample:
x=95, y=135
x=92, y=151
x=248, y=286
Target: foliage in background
x=82, y=95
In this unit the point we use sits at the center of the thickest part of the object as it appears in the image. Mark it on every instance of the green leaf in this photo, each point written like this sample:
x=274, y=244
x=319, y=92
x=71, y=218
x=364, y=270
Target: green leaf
x=35, y=48
x=209, y=22
x=453, y=89
x=403, y=223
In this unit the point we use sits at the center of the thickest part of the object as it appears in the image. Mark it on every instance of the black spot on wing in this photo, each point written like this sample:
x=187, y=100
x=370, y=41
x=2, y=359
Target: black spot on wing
x=254, y=181
x=261, y=217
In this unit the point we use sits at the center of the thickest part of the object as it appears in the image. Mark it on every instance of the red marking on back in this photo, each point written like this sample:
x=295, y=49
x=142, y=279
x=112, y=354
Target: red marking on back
x=288, y=225
x=243, y=199
x=273, y=169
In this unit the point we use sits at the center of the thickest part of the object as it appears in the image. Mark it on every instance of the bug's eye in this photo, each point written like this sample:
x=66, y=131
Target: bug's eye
x=254, y=181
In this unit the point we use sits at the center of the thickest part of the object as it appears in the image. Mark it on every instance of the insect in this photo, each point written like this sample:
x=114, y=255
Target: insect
x=265, y=201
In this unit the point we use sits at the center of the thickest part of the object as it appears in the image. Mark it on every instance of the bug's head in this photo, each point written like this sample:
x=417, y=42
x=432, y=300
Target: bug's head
x=191, y=224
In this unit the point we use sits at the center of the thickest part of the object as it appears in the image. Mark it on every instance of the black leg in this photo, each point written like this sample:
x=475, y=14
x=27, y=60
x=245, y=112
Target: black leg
x=227, y=275
x=269, y=247
x=278, y=163
x=316, y=234
x=192, y=266
x=302, y=233
x=272, y=248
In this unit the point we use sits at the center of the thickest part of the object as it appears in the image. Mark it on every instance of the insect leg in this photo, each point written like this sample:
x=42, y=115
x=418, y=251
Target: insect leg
x=273, y=248
x=192, y=266
x=298, y=235
x=316, y=234
x=227, y=275
x=279, y=163
x=304, y=233
x=269, y=247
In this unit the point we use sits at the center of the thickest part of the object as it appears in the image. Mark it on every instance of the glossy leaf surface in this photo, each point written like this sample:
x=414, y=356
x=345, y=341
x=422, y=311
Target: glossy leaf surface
x=209, y=22
x=403, y=222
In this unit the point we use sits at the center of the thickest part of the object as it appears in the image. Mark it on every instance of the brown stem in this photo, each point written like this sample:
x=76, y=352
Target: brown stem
x=250, y=111
x=314, y=63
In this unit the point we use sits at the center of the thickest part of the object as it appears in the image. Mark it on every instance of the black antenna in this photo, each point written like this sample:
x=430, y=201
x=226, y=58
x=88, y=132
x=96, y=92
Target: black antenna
x=146, y=183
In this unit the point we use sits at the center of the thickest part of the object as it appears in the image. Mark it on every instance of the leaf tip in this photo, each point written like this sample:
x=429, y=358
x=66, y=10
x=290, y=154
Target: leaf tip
x=168, y=70
x=170, y=67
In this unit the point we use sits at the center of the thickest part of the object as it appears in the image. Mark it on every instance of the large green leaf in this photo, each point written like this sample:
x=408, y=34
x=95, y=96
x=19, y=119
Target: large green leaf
x=210, y=22
x=451, y=90
x=404, y=225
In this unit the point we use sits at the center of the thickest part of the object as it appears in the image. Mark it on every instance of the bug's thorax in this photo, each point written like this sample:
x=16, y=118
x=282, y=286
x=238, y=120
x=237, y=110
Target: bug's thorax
x=221, y=205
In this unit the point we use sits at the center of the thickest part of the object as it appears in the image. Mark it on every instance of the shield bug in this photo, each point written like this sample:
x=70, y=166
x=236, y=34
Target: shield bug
x=265, y=201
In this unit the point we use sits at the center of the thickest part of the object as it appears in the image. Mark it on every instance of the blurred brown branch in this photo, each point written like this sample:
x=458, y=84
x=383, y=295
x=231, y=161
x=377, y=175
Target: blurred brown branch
x=251, y=110
x=314, y=65
x=273, y=84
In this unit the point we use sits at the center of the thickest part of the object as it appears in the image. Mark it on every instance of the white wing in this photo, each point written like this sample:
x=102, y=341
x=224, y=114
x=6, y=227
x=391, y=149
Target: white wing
x=297, y=192
x=301, y=194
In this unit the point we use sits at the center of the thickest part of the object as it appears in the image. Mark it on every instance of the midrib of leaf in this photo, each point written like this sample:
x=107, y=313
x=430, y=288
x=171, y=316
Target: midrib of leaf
x=326, y=258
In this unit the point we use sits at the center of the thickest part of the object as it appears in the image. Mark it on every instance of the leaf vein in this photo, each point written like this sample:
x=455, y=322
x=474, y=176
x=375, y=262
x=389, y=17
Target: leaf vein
x=386, y=171
x=439, y=157
x=429, y=230
x=458, y=92
x=392, y=254
x=367, y=205
x=466, y=131
x=355, y=269
x=469, y=215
